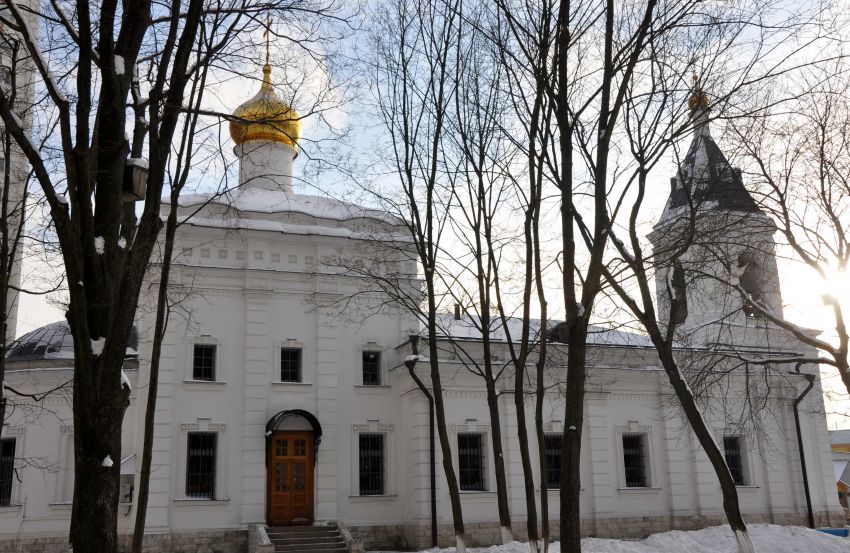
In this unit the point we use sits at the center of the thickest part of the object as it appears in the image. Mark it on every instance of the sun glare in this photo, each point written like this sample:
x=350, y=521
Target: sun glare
x=804, y=292
x=837, y=285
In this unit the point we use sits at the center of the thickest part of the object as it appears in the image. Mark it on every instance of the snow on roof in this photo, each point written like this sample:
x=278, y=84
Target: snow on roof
x=290, y=228
x=255, y=200
x=469, y=328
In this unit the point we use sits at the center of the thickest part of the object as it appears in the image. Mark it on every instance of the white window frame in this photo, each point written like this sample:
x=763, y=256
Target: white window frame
x=202, y=425
x=64, y=474
x=190, y=360
x=746, y=466
x=382, y=365
x=374, y=427
x=18, y=433
x=472, y=427
x=635, y=428
x=306, y=373
x=544, y=479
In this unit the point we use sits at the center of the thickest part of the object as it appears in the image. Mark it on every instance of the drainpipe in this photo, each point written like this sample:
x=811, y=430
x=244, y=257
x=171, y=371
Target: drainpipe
x=811, y=382
x=410, y=363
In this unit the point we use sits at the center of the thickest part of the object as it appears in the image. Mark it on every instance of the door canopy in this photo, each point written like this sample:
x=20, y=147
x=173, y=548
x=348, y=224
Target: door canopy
x=276, y=420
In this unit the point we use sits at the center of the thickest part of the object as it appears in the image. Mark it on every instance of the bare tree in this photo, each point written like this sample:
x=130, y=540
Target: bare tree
x=415, y=48
x=577, y=97
x=797, y=157
x=24, y=235
x=88, y=68
x=710, y=220
x=481, y=187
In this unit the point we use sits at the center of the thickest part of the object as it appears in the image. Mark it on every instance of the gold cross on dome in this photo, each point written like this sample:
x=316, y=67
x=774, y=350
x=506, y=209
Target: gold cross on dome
x=267, y=35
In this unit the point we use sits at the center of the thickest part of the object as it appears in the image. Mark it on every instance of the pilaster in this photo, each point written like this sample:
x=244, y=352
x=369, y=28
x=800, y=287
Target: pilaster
x=255, y=395
x=327, y=382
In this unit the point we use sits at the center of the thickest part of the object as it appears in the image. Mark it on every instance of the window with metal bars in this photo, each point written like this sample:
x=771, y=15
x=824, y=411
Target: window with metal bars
x=471, y=467
x=371, y=368
x=290, y=364
x=552, y=445
x=200, y=464
x=634, y=460
x=203, y=362
x=7, y=470
x=372, y=464
x=734, y=459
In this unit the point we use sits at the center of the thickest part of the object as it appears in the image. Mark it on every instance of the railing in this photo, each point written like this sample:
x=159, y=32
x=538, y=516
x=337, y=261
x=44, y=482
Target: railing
x=354, y=546
x=258, y=540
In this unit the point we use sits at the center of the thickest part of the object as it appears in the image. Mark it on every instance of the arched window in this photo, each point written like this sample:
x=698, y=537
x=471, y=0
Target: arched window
x=752, y=283
x=677, y=292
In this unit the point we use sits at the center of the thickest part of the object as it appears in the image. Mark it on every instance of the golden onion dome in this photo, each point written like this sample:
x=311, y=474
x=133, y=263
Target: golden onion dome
x=266, y=117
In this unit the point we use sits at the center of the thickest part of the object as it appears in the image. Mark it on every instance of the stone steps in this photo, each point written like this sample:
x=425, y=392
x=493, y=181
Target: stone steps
x=307, y=539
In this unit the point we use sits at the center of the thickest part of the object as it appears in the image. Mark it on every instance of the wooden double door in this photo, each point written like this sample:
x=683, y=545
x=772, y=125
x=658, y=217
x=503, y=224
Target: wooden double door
x=290, y=479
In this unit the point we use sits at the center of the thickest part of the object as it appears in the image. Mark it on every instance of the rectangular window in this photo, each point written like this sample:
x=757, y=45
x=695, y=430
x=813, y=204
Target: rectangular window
x=290, y=364
x=734, y=459
x=200, y=464
x=7, y=470
x=372, y=464
x=203, y=362
x=634, y=460
x=371, y=368
x=470, y=451
x=552, y=445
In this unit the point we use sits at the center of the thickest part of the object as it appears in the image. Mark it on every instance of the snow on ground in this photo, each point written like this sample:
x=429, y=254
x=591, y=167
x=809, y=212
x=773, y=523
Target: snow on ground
x=767, y=538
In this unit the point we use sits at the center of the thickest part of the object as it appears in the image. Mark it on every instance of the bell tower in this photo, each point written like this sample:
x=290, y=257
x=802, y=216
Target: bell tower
x=713, y=246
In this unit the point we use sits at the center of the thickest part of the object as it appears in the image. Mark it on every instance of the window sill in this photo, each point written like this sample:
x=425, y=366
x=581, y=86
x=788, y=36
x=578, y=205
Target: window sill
x=12, y=509
x=370, y=498
x=646, y=490
x=477, y=492
x=197, y=501
x=293, y=385
x=375, y=387
x=747, y=487
x=203, y=384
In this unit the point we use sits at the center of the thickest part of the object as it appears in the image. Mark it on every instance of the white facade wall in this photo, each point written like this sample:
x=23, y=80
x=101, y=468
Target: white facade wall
x=251, y=291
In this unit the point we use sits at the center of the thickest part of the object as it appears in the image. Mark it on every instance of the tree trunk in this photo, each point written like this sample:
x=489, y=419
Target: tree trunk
x=544, y=467
x=715, y=456
x=540, y=393
x=571, y=441
x=98, y=413
x=499, y=460
x=153, y=382
x=442, y=428
x=528, y=478
x=493, y=403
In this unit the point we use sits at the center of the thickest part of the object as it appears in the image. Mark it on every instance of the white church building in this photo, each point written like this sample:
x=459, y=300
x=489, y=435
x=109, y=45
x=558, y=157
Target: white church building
x=277, y=407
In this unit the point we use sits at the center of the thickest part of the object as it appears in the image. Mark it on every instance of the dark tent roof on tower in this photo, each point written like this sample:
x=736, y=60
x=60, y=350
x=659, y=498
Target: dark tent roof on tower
x=705, y=178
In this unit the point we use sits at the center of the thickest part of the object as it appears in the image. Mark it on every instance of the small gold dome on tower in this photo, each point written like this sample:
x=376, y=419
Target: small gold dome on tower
x=266, y=117
x=698, y=99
